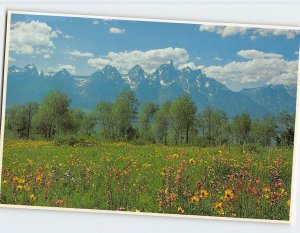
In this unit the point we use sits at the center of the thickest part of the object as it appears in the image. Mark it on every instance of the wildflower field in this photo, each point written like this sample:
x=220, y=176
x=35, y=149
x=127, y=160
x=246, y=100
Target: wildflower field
x=231, y=181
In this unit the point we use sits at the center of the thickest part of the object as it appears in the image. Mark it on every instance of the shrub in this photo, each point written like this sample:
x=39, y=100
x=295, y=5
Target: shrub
x=75, y=140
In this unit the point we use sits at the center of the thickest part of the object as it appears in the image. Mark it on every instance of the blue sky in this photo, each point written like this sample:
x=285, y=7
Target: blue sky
x=237, y=57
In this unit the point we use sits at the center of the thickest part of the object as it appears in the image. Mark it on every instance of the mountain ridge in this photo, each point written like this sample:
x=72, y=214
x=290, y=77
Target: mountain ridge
x=165, y=83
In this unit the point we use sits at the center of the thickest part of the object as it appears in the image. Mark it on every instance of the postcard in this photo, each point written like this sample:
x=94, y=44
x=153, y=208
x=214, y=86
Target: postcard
x=140, y=116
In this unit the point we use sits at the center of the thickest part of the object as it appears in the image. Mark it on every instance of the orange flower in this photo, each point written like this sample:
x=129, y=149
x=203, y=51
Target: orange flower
x=59, y=203
x=38, y=178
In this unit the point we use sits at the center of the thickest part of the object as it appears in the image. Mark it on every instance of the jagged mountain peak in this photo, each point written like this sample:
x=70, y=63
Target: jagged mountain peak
x=136, y=70
x=165, y=83
x=62, y=73
x=14, y=69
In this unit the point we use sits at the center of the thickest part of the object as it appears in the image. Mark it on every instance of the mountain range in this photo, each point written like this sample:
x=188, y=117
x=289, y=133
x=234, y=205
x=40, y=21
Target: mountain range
x=165, y=83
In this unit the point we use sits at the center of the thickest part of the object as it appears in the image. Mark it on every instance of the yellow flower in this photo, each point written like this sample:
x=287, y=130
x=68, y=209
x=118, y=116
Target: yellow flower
x=221, y=212
x=38, y=178
x=266, y=196
x=47, y=166
x=21, y=180
x=228, y=194
x=15, y=179
x=29, y=162
x=281, y=191
x=288, y=202
x=175, y=156
x=195, y=199
x=26, y=187
x=32, y=197
x=203, y=193
x=180, y=210
x=267, y=189
x=4, y=182
x=191, y=161
x=19, y=187
x=219, y=206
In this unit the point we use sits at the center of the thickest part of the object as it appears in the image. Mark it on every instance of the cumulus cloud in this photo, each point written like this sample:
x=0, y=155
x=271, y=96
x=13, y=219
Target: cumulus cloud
x=95, y=22
x=255, y=54
x=11, y=59
x=148, y=60
x=289, y=34
x=47, y=56
x=189, y=64
x=67, y=36
x=226, y=31
x=71, y=69
x=77, y=53
x=26, y=37
x=218, y=59
x=259, y=68
x=117, y=30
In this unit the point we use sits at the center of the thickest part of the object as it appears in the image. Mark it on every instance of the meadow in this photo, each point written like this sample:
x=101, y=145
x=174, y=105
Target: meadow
x=231, y=181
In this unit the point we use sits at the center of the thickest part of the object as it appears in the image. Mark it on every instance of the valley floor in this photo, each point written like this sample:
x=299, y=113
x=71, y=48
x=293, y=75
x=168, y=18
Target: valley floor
x=218, y=181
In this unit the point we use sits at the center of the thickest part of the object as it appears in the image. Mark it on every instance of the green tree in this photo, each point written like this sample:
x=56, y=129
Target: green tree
x=286, y=129
x=213, y=126
x=146, y=118
x=106, y=119
x=162, y=122
x=241, y=126
x=52, y=115
x=183, y=114
x=88, y=124
x=125, y=113
x=19, y=119
x=263, y=130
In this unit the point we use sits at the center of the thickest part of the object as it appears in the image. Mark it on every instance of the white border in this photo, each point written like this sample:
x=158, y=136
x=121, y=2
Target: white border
x=3, y=106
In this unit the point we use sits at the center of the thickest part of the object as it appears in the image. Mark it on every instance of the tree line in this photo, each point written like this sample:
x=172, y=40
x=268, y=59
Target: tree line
x=173, y=122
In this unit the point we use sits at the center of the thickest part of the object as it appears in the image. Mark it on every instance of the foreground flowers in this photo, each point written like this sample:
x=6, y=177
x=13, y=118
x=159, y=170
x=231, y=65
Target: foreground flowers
x=151, y=178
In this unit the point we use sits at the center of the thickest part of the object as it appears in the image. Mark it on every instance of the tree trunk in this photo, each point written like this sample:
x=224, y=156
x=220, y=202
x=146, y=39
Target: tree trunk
x=187, y=136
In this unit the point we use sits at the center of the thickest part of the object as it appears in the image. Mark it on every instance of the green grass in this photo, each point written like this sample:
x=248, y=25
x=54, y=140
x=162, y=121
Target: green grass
x=149, y=178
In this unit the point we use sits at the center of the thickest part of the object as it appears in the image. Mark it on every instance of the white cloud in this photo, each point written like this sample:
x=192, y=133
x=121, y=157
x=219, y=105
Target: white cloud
x=95, y=22
x=148, y=60
x=218, y=59
x=11, y=59
x=26, y=37
x=47, y=56
x=68, y=36
x=289, y=34
x=117, y=30
x=260, y=68
x=255, y=54
x=71, y=69
x=226, y=31
x=77, y=53
x=189, y=64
